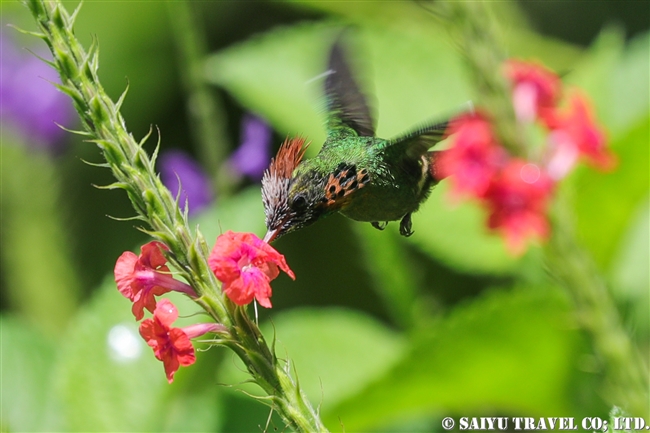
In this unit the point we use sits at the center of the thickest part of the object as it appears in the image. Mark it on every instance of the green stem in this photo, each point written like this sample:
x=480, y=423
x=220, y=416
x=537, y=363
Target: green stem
x=471, y=25
x=625, y=374
x=207, y=117
x=154, y=204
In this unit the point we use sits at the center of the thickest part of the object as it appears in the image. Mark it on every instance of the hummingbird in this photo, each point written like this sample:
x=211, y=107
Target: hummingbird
x=356, y=173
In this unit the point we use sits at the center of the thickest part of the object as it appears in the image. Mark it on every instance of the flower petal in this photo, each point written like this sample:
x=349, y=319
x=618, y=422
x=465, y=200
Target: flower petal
x=170, y=345
x=152, y=256
x=245, y=265
x=166, y=312
x=518, y=202
x=474, y=158
x=123, y=272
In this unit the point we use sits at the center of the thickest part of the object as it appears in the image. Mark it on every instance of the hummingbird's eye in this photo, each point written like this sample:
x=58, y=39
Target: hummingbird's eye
x=299, y=203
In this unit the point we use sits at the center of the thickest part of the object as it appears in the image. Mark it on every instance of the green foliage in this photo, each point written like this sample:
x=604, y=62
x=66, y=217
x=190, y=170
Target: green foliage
x=510, y=350
x=358, y=350
x=100, y=386
x=605, y=202
x=394, y=276
x=28, y=403
x=31, y=189
x=612, y=76
x=446, y=230
x=106, y=379
x=241, y=213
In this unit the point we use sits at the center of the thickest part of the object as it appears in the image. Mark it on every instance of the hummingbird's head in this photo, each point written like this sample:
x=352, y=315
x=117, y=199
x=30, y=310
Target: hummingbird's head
x=289, y=202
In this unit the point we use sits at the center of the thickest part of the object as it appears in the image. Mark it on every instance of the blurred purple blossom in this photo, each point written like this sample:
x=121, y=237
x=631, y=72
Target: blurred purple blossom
x=29, y=103
x=253, y=155
x=175, y=165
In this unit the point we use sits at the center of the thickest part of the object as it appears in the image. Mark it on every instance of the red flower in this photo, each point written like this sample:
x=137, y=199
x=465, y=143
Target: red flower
x=517, y=200
x=172, y=345
x=141, y=278
x=474, y=158
x=246, y=265
x=573, y=134
x=535, y=90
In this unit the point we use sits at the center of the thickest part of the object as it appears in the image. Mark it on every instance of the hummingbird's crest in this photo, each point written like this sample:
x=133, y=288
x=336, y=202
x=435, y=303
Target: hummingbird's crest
x=277, y=181
x=287, y=159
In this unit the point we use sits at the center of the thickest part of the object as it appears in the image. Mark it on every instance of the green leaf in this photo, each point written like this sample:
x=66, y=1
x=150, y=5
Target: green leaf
x=419, y=20
x=507, y=352
x=27, y=357
x=333, y=352
x=109, y=379
x=629, y=86
x=272, y=75
x=457, y=235
x=615, y=77
x=605, y=202
x=629, y=272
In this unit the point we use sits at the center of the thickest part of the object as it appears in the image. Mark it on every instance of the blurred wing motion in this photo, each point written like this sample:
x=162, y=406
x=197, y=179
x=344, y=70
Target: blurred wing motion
x=347, y=107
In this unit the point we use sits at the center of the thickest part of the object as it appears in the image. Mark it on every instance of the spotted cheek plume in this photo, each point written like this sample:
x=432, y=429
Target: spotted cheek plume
x=345, y=180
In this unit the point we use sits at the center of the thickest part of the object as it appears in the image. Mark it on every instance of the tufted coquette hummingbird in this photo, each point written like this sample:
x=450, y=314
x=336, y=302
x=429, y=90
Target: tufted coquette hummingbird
x=364, y=177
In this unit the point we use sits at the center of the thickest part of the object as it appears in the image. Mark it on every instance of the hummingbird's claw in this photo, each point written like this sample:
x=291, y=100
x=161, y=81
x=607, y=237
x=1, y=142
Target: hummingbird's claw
x=406, y=225
x=378, y=225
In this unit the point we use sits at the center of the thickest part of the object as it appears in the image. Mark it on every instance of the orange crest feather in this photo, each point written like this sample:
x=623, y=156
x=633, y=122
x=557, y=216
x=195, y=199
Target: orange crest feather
x=289, y=156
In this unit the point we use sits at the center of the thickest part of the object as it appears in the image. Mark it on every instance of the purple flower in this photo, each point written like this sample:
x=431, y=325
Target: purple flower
x=254, y=153
x=175, y=166
x=29, y=103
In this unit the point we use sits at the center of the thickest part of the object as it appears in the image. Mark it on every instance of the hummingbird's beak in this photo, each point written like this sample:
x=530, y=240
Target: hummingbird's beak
x=270, y=235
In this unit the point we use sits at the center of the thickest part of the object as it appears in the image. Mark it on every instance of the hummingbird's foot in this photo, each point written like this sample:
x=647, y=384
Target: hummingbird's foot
x=378, y=225
x=405, y=226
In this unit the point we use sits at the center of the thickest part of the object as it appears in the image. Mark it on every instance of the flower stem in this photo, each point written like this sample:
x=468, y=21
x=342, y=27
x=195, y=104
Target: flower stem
x=203, y=109
x=625, y=374
x=473, y=30
x=626, y=378
x=154, y=205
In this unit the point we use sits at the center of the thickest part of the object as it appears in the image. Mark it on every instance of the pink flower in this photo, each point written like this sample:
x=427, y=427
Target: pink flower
x=575, y=134
x=535, y=90
x=245, y=265
x=172, y=345
x=517, y=200
x=474, y=158
x=141, y=278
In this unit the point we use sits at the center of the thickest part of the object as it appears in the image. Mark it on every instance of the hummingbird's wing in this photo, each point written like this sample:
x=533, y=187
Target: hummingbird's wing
x=415, y=143
x=346, y=104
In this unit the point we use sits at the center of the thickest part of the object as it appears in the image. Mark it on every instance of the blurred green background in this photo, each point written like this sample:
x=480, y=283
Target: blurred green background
x=385, y=333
